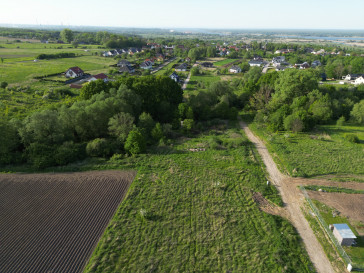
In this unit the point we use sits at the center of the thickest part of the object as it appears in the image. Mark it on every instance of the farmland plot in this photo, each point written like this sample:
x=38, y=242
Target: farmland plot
x=52, y=222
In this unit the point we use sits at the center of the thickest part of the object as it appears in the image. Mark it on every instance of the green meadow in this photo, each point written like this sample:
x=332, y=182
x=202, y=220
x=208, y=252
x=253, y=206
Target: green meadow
x=193, y=212
x=325, y=151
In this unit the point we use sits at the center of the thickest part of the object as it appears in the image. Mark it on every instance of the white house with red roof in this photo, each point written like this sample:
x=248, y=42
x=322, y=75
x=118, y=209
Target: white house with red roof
x=74, y=72
x=100, y=76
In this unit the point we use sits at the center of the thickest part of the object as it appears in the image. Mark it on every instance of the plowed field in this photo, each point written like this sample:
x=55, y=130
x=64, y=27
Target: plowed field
x=52, y=222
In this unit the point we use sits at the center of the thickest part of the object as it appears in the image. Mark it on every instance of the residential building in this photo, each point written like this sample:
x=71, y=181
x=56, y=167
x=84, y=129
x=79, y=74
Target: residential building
x=182, y=67
x=74, y=72
x=235, y=69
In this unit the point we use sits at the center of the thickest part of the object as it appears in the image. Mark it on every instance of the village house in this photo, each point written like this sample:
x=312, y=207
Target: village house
x=100, y=76
x=315, y=63
x=146, y=65
x=174, y=76
x=304, y=65
x=352, y=77
x=359, y=80
x=235, y=69
x=256, y=63
x=182, y=67
x=123, y=62
x=128, y=68
x=74, y=72
x=280, y=60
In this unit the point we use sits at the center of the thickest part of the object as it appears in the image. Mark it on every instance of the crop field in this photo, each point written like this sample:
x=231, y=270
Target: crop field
x=191, y=209
x=225, y=62
x=331, y=153
x=52, y=222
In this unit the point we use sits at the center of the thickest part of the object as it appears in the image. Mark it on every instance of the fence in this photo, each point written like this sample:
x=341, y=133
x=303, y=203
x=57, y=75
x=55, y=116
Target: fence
x=325, y=226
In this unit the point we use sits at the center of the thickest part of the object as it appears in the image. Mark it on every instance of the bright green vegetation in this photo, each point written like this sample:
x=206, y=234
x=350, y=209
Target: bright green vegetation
x=193, y=212
x=356, y=253
x=325, y=242
x=201, y=82
x=167, y=68
x=325, y=151
x=24, y=71
x=224, y=62
x=333, y=189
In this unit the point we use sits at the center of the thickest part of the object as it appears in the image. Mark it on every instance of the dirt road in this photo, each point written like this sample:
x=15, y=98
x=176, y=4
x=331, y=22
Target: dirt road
x=293, y=200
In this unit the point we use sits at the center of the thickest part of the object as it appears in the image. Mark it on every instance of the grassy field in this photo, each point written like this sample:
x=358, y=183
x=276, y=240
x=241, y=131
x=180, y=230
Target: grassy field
x=333, y=189
x=323, y=152
x=225, y=62
x=193, y=212
x=356, y=253
x=203, y=80
x=167, y=67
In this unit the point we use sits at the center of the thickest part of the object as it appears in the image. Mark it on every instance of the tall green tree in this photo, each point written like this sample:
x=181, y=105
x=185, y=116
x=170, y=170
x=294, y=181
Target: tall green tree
x=67, y=35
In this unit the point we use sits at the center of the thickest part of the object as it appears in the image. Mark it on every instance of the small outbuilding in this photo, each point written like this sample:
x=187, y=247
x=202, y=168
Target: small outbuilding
x=343, y=234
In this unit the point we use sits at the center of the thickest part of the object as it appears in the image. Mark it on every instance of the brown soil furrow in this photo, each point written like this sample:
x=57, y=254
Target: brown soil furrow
x=57, y=219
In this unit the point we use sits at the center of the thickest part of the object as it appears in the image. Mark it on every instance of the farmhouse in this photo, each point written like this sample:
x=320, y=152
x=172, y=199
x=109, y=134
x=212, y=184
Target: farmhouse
x=122, y=63
x=182, y=67
x=146, y=65
x=256, y=63
x=352, y=77
x=128, y=68
x=74, y=72
x=100, y=76
x=343, y=234
x=359, y=80
x=235, y=69
x=278, y=60
x=174, y=76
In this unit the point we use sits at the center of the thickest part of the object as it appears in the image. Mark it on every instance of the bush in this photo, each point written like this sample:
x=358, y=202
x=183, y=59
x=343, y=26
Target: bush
x=340, y=121
x=352, y=138
x=69, y=152
x=3, y=84
x=135, y=143
x=99, y=147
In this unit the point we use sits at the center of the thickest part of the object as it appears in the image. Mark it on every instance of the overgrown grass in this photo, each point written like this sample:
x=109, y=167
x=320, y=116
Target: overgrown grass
x=193, y=212
x=166, y=68
x=323, y=152
x=225, y=62
x=199, y=82
x=333, y=189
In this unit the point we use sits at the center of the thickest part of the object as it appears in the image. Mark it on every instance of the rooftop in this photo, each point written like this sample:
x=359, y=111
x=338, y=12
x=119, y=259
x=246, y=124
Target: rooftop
x=345, y=231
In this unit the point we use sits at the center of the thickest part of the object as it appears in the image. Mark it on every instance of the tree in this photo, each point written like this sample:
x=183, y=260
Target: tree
x=3, y=84
x=92, y=88
x=135, y=143
x=120, y=125
x=2, y=60
x=157, y=132
x=358, y=112
x=67, y=35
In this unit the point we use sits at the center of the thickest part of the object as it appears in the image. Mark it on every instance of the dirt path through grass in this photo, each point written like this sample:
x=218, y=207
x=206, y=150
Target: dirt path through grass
x=293, y=199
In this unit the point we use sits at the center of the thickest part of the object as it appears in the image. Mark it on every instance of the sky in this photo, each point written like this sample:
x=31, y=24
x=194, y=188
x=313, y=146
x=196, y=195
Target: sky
x=232, y=14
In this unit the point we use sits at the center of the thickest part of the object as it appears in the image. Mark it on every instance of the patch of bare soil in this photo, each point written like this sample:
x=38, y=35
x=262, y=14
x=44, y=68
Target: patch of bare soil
x=52, y=222
x=268, y=207
x=350, y=205
x=324, y=182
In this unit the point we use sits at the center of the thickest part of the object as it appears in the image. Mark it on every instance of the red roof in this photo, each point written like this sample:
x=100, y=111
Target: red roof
x=77, y=70
x=100, y=76
x=75, y=86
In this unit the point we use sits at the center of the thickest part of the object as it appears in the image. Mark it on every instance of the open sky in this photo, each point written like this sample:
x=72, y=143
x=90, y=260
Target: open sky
x=290, y=14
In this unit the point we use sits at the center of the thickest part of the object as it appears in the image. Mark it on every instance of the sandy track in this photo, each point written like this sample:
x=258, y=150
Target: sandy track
x=293, y=200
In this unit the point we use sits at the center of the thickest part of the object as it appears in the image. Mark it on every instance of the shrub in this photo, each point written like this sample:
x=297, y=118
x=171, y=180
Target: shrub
x=3, y=84
x=135, y=143
x=69, y=152
x=99, y=147
x=352, y=138
x=340, y=121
